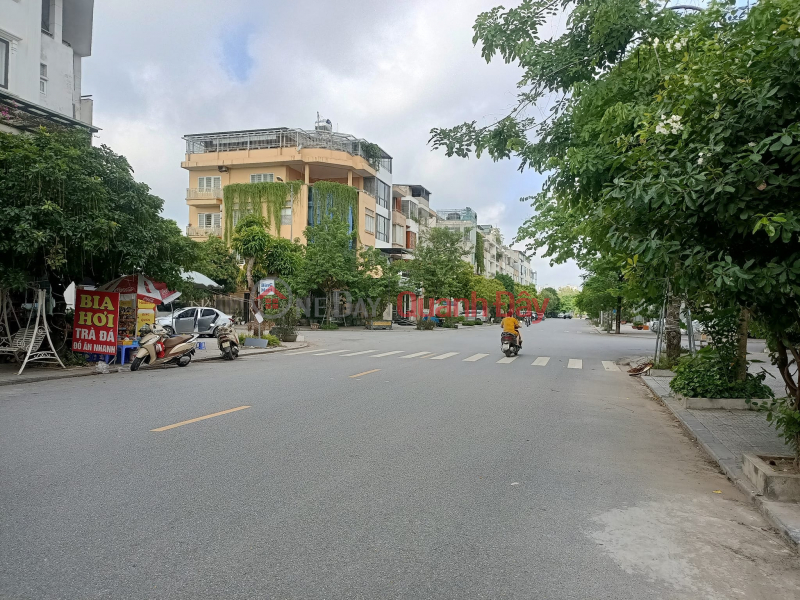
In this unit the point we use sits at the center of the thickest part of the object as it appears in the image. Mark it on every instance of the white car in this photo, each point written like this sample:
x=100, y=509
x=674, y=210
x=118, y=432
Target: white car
x=195, y=319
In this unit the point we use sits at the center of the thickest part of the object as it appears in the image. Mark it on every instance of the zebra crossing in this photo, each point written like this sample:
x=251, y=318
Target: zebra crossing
x=540, y=361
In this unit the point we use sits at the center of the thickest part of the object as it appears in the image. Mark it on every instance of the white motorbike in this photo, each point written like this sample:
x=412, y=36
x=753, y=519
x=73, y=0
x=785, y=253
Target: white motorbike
x=156, y=347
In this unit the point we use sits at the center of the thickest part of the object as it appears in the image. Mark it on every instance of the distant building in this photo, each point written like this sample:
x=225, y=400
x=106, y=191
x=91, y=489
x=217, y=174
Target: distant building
x=463, y=221
x=500, y=259
x=412, y=219
x=42, y=44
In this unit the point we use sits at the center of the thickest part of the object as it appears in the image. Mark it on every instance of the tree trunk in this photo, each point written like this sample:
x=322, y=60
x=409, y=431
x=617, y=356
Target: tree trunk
x=619, y=312
x=57, y=322
x=741, y=350
x=672, y=329
x=792, y=384
x=251, y=286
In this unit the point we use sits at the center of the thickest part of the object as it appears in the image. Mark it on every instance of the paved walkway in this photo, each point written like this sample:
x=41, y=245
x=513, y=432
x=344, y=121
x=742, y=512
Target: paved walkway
x=726, y=435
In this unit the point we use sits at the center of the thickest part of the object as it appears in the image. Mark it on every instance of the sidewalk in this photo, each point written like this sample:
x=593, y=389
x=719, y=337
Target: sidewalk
x=34, y=373
x=727, y=434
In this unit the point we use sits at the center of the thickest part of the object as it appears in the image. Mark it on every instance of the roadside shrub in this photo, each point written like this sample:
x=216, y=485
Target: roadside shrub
x=73, y=359
x=478, y=322
x=426, y=325
x=468, y=324
x=271, y=339
x=242, y=338
x=450, y=322
x=706, y=376
x=329, y=326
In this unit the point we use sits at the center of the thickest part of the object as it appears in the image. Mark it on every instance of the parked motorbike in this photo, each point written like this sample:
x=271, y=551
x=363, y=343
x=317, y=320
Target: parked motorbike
x=509, y=344
x=228, y=342
x=156, y=347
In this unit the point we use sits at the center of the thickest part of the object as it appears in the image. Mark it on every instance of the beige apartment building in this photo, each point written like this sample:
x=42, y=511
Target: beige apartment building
x=501, y=259
x=215, y=160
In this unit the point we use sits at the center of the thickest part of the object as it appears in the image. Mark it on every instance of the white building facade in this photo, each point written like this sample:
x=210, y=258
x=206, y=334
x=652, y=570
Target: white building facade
x=42, y=45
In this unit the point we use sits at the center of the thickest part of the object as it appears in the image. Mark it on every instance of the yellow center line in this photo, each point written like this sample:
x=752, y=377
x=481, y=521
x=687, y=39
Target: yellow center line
x=224, y=412
x=364, y=373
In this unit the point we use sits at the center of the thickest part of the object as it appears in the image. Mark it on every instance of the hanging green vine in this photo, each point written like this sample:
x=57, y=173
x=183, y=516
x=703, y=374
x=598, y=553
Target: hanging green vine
x=479, y=263
x=247, y=198
x=335, y=201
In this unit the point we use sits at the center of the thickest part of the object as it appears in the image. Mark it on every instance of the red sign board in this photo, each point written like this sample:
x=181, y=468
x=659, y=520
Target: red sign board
x=96, y=321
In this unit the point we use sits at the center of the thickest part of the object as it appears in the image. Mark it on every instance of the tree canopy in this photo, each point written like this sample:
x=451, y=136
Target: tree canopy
x=72, y=211
x=438, y=263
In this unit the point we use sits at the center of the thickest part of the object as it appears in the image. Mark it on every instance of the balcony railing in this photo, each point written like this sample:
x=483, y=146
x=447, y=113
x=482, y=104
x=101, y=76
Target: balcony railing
x=204, y=193
x=284, y=137
x=203, y=231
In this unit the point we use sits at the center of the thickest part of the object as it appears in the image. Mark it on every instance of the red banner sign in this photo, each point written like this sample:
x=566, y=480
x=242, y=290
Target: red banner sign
x=96, y=321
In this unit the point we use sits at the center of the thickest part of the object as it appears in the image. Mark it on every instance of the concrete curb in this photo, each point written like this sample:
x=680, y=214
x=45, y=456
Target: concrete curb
x=87, y=372
x=782, y=516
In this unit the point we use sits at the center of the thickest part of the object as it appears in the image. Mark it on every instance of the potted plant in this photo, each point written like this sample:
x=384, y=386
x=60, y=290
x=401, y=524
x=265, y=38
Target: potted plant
x=286, y=328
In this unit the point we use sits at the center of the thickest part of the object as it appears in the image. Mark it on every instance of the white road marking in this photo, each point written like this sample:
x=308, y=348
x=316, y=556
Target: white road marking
x=357, y=353
x=329, y=352
x=388, y=353
x=443, y=356
x=415, y=355
x=610, y=366
x=303, y=352
x=475, y=357
x=506, y=360
x=575, y=363
x=541, y=361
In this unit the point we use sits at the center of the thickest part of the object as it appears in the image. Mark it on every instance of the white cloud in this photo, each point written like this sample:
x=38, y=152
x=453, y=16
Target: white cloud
x=385, y=71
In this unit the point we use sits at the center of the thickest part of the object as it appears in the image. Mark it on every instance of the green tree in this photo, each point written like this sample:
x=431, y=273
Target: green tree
x=437, y=263
x=553, y=301
x=73, y=211
x=250, y=241
x=377, y=282
x=217, y=262
x=331, y=261
x=506, y=280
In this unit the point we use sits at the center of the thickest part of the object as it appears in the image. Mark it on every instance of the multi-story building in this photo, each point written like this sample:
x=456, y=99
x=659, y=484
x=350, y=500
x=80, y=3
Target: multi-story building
x=500, y=259
x=463, y=221
x=215, y=160
x=411, y=205
x=42, y=44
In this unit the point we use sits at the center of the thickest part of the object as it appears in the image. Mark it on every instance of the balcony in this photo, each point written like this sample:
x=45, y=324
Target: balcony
x=204, y=193
x=203, y=231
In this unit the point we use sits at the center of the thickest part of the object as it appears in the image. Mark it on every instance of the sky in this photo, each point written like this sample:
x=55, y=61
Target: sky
x=382, y=70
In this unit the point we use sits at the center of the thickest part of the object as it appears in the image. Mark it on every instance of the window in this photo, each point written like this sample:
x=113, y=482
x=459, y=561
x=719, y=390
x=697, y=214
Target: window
x=399, y=235
x=209, y=312
x=189, y=313
x=383, y=229
x=261, y=177
x=4, y=63
x=42, y=78
x=369, y=221
x=207, y=183
x=286, y=216
x=208, y=220
x=46, y=15
x=383, y=193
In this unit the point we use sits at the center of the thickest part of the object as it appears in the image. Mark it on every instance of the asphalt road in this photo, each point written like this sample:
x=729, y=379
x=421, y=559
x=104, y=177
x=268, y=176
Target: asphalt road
x=374, y=477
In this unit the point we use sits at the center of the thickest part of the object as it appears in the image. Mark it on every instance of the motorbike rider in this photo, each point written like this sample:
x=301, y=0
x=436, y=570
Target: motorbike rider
x=510, y=324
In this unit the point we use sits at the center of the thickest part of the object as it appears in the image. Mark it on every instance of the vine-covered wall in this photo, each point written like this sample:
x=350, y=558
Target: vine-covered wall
x=267, y=199
x=340, y=202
